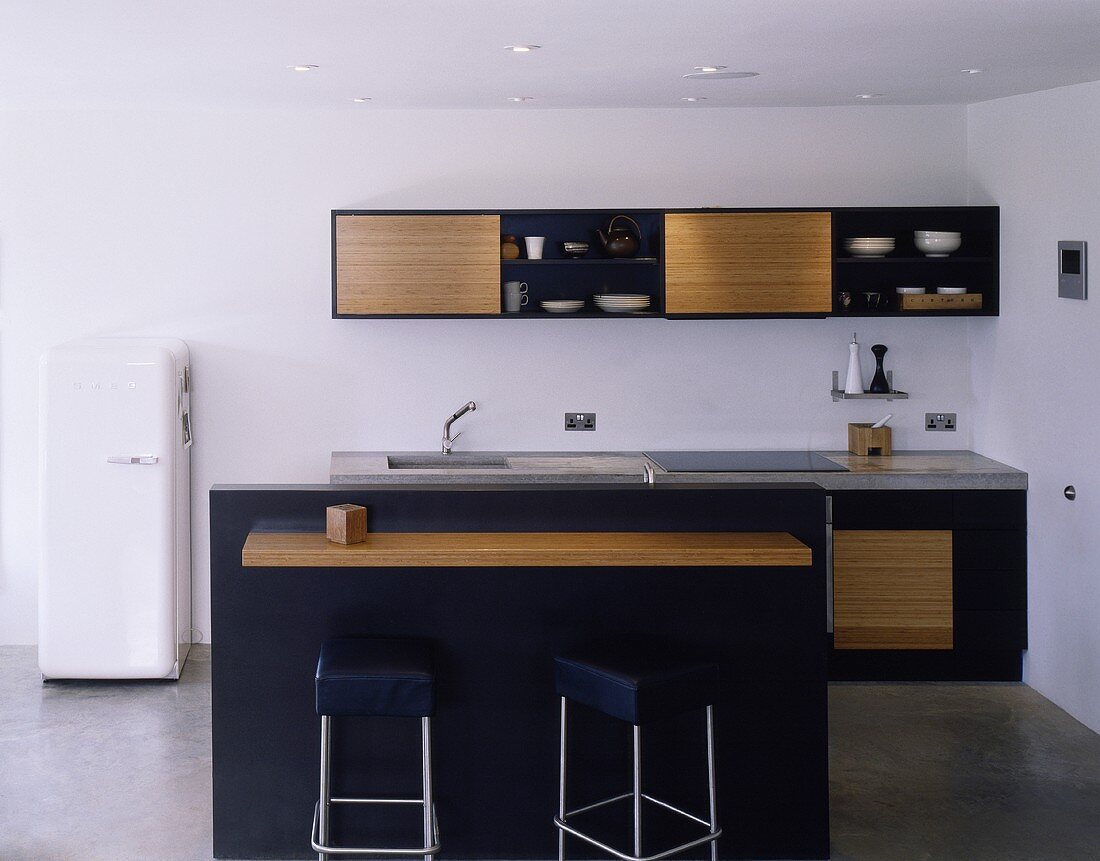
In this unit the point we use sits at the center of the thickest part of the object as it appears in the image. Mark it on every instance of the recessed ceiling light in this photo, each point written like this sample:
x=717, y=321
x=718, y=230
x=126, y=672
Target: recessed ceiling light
x=870, y=95
x=522, y=49
x=719, y=74
x=709, y=68
x=693, y=98
x=521, y=98
x=361, y=99
x=972, y=71
x=303, y=67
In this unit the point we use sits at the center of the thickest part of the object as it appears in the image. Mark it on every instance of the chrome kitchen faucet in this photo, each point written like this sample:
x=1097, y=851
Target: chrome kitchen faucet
x=447, y=438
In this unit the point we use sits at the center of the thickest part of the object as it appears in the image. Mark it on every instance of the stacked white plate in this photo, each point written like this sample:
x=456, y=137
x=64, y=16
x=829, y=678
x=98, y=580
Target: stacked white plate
x=562, y=306
x=621, y=303
x=869, y=246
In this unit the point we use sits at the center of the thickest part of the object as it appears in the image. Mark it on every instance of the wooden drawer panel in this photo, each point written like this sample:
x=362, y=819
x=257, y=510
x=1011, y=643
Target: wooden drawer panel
x=417, y=264
x=892, y=589
x=748, y=262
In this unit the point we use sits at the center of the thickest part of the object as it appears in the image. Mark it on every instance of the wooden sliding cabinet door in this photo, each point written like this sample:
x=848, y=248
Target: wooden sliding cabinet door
x=417, y=264
x=748, y=262
x=892, y=589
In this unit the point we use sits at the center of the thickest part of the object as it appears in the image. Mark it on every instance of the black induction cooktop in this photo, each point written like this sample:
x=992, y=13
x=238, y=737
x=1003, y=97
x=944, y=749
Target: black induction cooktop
x=743, y=461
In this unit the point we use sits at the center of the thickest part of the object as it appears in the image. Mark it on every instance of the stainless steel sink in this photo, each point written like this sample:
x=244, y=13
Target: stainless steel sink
x=447, y=461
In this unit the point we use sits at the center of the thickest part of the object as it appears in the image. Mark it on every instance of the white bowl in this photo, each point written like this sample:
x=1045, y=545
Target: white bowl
x=935, y=243
x=915, y=291
x=950, y=291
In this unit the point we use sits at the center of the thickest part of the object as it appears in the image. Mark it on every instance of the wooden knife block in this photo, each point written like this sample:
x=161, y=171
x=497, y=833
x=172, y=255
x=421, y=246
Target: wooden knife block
x=866, y=440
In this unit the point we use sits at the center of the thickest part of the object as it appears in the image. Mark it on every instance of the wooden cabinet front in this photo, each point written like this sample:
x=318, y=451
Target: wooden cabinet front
x=748, y=263
x=892, y=589
x=417, y=264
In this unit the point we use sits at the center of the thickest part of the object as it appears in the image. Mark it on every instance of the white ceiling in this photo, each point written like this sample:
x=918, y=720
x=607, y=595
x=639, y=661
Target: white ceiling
x=439, y=54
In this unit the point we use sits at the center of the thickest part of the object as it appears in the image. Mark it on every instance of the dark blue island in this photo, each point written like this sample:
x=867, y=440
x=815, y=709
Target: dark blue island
x=501, y=579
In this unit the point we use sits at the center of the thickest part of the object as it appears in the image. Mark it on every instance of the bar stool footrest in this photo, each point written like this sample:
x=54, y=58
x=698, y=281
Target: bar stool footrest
x=411, y=851
x=709, y=837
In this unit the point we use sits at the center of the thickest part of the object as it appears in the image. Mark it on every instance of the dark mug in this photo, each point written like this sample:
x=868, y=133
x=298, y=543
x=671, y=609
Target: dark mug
x=872, y=300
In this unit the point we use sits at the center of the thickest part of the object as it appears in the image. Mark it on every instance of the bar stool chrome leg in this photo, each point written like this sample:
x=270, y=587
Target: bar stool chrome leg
x=637, y=792
x=426, y=741
x=712, y=783
x=326, y=780
x=561, y=784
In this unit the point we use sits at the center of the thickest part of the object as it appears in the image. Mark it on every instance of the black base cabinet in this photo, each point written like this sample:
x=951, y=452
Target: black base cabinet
x=988, y=589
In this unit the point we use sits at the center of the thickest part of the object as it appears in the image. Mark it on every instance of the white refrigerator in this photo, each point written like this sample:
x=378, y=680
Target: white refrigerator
x=114, y=597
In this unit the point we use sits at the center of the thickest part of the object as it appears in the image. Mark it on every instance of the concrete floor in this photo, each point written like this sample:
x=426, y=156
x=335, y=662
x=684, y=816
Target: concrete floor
x=114, y=771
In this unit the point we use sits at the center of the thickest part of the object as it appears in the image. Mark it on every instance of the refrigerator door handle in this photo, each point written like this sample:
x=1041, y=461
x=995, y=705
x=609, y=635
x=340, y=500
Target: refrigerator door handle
x=141, y=458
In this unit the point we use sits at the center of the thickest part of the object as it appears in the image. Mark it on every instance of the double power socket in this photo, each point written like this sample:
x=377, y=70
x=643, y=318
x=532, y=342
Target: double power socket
x=939, y=421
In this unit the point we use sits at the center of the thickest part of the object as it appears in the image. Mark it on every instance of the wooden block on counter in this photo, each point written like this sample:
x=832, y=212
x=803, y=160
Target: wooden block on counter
x=346, y=524
x=864, y=439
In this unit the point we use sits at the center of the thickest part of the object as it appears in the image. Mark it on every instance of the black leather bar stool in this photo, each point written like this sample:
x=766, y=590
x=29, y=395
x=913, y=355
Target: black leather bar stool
x=384, y=678
x=637, y=686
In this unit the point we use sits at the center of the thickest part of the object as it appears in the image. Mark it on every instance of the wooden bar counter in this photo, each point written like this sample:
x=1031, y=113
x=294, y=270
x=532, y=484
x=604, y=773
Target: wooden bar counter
x=500, y=579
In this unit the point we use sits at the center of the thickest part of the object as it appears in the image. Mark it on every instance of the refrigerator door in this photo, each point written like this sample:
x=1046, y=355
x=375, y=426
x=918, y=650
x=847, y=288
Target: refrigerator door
x=110, y=429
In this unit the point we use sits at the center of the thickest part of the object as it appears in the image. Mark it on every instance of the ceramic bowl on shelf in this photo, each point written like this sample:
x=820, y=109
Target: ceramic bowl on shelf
x=951, y=291
x=562, y=306
x=910, y=291
x=574, y=249
x=869, y=246
x=936, y=243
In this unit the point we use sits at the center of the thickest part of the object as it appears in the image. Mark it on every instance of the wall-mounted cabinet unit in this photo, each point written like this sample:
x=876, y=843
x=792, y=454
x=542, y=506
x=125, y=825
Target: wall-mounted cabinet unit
x=871, y=283
x=748, y=263
x=557, y=275
x=710, y=263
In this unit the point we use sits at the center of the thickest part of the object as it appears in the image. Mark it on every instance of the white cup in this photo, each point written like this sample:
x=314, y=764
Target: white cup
x=515, y=296
x=534, y=246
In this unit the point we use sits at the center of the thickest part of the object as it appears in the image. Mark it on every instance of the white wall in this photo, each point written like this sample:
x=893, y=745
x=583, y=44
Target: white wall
x=1036, y=156
x=214, y=227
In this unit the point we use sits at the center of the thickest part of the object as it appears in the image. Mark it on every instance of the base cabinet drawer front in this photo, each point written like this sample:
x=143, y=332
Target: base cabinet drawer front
x=998, y=589
x=892, y=509
x=417, y=264
x=892, y=589
x=990, y=629
x=991, y=509
x=986, y=549
x=748, y=263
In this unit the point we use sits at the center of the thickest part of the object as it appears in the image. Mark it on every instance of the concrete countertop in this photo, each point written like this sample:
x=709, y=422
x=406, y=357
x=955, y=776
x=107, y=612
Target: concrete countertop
x=905, y=470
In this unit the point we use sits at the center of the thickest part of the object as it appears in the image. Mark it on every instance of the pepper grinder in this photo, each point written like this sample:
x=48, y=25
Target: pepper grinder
x=879, y=384
x=853, y=384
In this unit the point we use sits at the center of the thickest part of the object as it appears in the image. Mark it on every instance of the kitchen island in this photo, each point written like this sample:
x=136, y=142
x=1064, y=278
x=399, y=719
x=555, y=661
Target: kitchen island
x=501, y=579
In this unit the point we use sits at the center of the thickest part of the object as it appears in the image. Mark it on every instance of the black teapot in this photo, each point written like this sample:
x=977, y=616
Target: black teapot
x=620, y=241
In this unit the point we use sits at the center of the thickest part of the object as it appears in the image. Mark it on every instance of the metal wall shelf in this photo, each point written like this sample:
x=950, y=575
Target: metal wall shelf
x=839, y=394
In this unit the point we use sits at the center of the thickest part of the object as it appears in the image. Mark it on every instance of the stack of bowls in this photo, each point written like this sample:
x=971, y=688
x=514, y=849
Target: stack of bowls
x=869, y=246
x=936, y=243
x=574, y=249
